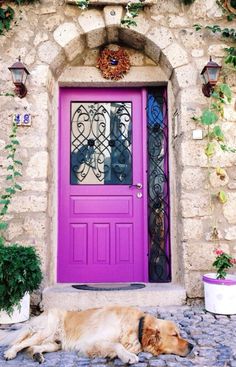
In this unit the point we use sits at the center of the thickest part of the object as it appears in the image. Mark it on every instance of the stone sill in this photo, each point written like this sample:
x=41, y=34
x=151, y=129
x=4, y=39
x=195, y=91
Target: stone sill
x=111, y=2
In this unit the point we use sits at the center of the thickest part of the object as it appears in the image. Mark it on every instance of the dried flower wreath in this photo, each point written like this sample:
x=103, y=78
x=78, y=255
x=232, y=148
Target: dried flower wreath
x=113, y=63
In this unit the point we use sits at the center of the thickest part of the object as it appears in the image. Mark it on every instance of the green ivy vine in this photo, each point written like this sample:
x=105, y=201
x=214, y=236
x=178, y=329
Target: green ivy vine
x=210, y=119
x=7, y=14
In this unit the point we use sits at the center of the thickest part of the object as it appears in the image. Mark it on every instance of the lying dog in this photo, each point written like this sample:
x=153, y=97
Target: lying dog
x=100, y=332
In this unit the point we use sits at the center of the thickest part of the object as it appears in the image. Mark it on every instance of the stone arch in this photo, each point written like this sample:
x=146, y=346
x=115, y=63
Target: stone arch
x=96, y=28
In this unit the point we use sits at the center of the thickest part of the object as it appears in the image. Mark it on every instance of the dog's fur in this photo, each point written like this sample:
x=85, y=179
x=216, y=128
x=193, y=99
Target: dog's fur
x=99, y=332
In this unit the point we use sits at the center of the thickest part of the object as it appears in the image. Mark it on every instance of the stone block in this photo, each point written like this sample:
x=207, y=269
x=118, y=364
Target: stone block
x=159, y=37
x=14, y=230
x=175, y=55
x=152, y=51
x=192, y=154
x=35, y=226
x=40, y=37
x=75, y=47
x=39, y=76
x=197, y=52
x=230, y=233
x=176, y=21
x=194, y=284
x=200, y=256
x=217, y=180
x=38, y=165
x=112, y=15
x=65, y=33
x=193, y=179
x=229, y=208
x=131, y=37
x=218, y=50
x=28, y=203
x=191, y=39
x=48, y=51
x=33, y=141
x=96, y=38
x=166, y=7
x=39, y=185
x=195, y=205
x=184, y=76
x=91, y=20
x=192, y=229
x=51, y=23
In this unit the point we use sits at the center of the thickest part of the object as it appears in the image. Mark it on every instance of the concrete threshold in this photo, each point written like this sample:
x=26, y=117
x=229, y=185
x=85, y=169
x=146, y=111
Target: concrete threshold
x=68, y=298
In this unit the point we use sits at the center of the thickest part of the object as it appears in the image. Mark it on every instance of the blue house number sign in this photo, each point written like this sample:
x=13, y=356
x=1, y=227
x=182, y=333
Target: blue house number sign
x=22, y=119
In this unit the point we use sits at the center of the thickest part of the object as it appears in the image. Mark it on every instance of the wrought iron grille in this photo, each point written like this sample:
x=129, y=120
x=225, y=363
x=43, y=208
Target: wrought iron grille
x=158, y=186
x=101, y=148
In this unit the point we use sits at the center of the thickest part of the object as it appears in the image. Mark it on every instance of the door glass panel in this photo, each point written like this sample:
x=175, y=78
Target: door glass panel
x=101, y=143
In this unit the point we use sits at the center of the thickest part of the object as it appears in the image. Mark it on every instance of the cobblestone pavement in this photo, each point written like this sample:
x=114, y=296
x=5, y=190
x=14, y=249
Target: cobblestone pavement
x=214, y=337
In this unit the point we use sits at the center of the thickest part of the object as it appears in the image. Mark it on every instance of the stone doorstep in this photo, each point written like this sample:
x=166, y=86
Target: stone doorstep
x=153, y=295
x=111, y=2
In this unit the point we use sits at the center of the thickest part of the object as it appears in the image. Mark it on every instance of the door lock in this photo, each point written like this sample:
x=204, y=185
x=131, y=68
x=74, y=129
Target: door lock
x=138, y=186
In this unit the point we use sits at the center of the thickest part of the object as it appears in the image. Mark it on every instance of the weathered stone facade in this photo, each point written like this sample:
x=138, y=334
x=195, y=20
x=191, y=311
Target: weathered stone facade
x=59, y=44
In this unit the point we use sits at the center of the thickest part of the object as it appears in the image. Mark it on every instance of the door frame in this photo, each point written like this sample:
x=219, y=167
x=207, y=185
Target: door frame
x=143, y=93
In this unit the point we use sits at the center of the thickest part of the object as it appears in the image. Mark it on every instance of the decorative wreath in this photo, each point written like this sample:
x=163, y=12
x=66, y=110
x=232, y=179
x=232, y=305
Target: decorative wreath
x=113, y=63
x=229, y=5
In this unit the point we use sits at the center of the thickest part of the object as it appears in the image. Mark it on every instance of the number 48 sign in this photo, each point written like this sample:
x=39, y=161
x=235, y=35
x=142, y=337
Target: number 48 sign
x=22, y=119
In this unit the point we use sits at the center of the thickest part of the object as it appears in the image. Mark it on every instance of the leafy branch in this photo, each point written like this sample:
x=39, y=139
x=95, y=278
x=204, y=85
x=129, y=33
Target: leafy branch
x=229, y=33
x=7, y=14
x=210, y=120
x=132, y=11
x=12, y=175
x=82, y=4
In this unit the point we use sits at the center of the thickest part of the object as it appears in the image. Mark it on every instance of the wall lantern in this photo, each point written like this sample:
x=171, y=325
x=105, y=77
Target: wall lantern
x=19, y=75
x=210, y=74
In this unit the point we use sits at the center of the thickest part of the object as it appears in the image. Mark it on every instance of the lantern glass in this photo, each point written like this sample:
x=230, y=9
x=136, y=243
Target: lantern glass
x=213, y=74
x=18, y=76
x=205, y=77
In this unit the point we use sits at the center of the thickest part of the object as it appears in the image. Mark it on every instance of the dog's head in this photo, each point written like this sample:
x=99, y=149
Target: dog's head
x=163, y=337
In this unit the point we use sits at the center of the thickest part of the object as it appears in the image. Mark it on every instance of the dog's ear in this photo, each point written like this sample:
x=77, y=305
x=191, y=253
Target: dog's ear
x=151, y=337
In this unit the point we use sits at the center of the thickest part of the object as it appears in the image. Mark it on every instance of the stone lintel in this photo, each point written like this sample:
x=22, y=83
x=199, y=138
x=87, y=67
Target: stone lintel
x=85, y=75
x=111, y=2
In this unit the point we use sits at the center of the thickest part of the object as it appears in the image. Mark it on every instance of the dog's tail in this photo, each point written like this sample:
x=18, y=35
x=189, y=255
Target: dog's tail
x=9, y=337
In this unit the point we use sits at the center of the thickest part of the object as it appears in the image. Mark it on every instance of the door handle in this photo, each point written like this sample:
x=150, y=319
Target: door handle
x=138, y=186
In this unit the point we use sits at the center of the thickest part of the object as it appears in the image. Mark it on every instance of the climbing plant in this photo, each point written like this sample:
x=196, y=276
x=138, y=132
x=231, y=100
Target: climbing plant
x=211, y=119
x=7, y=14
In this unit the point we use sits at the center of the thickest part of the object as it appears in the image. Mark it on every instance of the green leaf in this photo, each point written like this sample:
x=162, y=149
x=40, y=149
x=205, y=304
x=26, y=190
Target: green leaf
x=17, y=174
x=4, y=201
x=210, y=149
x=10, y=167
x=9, y=177
x=218, y=133
x=225, y=89
x=208, y=117
x=16, y=142
x=3, y=225
x=18, y=187
x=222, y=197
x=18, y=162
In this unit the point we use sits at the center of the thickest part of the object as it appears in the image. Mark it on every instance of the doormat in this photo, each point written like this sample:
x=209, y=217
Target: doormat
x=109, y=287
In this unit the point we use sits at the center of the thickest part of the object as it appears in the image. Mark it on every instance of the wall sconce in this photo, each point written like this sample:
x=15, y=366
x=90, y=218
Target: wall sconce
x=210, y=74
x=19, y=75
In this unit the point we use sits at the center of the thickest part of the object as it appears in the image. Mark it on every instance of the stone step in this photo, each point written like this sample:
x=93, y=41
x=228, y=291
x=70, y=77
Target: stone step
x=66, y=297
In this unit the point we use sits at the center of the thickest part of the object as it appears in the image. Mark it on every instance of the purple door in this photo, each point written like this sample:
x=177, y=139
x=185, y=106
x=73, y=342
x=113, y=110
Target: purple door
x=102, y=223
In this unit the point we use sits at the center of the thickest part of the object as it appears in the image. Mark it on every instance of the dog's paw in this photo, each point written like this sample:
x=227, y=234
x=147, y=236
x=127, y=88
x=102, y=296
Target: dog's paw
x=130, y=358
x=38, y=357
x=9, y=354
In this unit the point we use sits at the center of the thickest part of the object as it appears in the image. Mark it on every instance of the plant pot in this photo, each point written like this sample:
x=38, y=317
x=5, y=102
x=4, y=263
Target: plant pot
x=20, y=313
x=220, y=294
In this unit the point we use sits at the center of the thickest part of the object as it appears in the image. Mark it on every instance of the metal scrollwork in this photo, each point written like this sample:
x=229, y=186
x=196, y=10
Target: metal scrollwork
x=101, y=143
x=159, y=254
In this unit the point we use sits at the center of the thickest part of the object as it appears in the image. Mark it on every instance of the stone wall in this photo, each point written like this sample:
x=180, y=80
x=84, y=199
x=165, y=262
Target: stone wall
x=59, y=44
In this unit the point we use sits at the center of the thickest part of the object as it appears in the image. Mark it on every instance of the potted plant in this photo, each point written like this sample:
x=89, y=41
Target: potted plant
x=220, y=287
x=20, y=272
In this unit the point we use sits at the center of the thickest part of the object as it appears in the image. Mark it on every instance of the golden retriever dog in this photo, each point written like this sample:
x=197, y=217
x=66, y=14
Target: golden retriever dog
x=100, y=332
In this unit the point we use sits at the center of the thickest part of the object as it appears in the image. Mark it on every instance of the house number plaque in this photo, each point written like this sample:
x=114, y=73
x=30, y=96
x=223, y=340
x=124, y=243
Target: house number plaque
x=22, y=119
